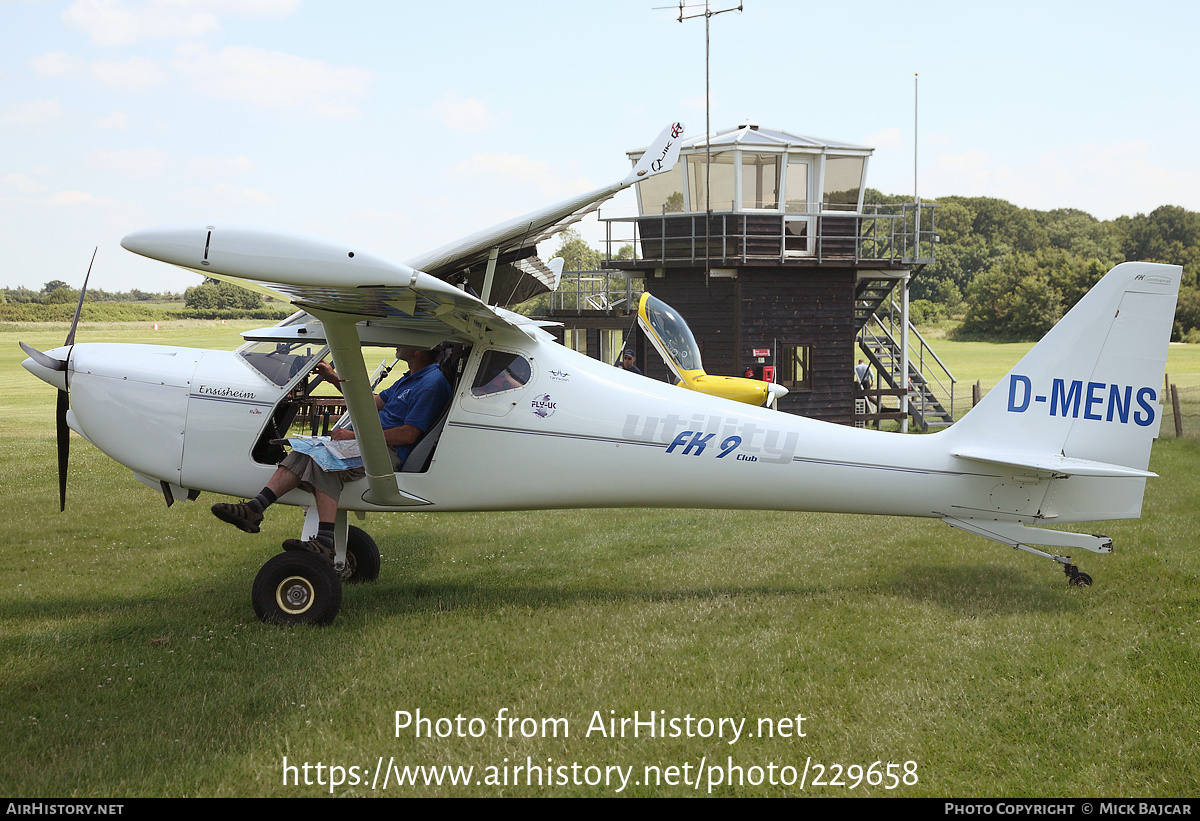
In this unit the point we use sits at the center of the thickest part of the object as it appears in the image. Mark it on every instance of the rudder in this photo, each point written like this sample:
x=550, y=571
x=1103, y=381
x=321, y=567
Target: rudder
x=1090, y=389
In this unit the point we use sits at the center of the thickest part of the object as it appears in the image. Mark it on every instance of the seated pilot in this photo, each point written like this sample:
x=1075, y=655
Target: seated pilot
x=406, y=411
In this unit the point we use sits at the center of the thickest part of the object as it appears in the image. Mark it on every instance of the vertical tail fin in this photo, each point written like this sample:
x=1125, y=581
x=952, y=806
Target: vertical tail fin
x=1090, y=390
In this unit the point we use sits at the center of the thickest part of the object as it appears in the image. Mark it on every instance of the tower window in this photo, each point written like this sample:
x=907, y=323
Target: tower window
x=795, y=364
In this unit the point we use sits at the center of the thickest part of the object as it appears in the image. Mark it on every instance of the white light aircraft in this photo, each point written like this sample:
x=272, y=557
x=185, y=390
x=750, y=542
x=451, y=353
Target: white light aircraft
x=1065, y=437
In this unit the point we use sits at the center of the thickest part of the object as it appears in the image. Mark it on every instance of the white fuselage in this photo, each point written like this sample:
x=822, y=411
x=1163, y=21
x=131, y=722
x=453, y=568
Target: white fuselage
x=579, y=433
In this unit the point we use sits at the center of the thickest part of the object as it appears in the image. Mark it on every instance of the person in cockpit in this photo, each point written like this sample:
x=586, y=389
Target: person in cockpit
x=406, y=411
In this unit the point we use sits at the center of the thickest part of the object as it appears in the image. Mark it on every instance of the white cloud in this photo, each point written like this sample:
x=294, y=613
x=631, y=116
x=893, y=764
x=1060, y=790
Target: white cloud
x=518, y=177
x=35, y=112
x=1104, y=180
x=110, y=23
x=889, y=138
x=71, y=198
x=134, y=74
x=57, y=64
x=219, y=166
x=470, y=115
x=968, y=173
x=496, y=167
x=272, y=79
x=137, y=163
x=117, y=23
x=225, y=196
x=23, y=183
x=117, y=121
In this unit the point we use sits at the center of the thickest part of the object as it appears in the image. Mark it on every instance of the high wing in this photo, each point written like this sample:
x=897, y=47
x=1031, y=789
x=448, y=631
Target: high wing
x=519, y=273
x=350, y=290
x=320, y=274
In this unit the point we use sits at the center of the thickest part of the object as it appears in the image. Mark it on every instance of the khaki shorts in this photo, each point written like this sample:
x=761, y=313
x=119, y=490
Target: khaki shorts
x=313, y=479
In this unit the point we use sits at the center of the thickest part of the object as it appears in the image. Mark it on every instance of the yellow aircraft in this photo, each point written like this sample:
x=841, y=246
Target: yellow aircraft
x=673, y=340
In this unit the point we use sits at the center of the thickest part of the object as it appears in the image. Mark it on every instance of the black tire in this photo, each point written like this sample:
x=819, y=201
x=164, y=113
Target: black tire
x=297, y=588
x=362, y=557
x=1081, y=580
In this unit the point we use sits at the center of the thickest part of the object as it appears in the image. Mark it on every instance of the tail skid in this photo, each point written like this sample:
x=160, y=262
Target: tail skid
x=1077, y=416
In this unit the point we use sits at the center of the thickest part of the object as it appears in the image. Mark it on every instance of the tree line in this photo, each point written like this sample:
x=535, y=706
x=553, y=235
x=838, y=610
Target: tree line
x=212, y=299
x=57, y=292
x=1012, y=272
x=1009, y=273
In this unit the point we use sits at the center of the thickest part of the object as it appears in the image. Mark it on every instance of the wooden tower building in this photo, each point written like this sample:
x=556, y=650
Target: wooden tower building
x=761, y=240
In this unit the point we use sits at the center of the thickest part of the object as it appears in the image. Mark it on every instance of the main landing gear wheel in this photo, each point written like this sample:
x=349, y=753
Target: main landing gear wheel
x=297, y=588
x=362, y=557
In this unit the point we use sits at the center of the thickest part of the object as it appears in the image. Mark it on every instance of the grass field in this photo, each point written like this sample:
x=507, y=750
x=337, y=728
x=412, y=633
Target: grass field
x=133, y=664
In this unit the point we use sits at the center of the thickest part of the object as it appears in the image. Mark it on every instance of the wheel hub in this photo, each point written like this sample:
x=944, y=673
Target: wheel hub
x=294, y=595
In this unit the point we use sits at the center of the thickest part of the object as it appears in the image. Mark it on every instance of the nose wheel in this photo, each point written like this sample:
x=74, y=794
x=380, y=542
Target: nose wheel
x=297, y=588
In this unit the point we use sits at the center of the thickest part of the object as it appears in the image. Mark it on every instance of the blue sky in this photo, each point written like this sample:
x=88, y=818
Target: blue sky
x=403, y=125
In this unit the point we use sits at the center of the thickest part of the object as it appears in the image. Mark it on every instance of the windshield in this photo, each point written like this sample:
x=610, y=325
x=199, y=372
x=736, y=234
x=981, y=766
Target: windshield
x=669, y=329
x=280, y=360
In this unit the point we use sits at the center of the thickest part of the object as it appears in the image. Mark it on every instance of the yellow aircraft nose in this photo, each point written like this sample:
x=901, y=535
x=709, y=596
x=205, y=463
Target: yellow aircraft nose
x=739, y=389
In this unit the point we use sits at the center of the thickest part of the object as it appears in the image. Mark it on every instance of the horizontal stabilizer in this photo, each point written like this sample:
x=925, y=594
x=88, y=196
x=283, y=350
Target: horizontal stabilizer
x=1057, y=465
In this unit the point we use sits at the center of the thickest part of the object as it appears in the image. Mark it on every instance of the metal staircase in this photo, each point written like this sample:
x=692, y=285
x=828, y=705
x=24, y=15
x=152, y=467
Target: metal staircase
x=869, y=294
x=930, y=383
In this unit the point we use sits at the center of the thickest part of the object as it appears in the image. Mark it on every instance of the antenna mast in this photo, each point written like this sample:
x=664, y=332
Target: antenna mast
x=707, y=14
x=916, y=110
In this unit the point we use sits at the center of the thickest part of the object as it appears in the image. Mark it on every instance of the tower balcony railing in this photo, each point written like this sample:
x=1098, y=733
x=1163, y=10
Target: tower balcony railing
x=902, y=234
x=596, y=292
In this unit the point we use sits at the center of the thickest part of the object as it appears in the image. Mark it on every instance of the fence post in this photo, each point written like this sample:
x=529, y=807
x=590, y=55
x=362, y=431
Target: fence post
x=976, y=393
x=1175, y=408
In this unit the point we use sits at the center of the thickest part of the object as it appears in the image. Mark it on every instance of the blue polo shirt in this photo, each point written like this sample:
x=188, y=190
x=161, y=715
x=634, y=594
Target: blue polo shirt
x=417, y=399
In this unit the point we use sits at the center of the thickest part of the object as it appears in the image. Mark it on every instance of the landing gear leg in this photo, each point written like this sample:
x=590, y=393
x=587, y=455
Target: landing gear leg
x=1019, y=537
x=356, y=558
x=1075, y=576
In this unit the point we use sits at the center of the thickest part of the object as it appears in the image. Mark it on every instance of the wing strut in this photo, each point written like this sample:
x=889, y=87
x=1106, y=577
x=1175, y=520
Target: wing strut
x=493, y=255
x=342, y=335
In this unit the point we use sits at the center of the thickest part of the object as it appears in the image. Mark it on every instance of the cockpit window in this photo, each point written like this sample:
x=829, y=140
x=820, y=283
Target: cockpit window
x=681, y=349
x=500, y=371
x=280, y=360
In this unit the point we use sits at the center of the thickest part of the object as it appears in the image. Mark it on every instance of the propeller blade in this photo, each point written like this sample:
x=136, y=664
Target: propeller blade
x=63, y=431
x=79, y=305
x=45, y=360
x=64, y=447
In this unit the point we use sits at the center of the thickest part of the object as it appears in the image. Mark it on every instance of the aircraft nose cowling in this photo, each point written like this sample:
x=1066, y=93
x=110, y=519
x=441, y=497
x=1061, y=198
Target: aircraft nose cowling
x=130, y=401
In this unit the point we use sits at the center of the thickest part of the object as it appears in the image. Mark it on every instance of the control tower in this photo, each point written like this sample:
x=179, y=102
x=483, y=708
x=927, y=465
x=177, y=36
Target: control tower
x=761, y=239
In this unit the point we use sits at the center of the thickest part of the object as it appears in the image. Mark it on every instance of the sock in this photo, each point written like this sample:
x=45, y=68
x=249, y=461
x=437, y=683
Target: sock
x=325, y=533
x=263, y=500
